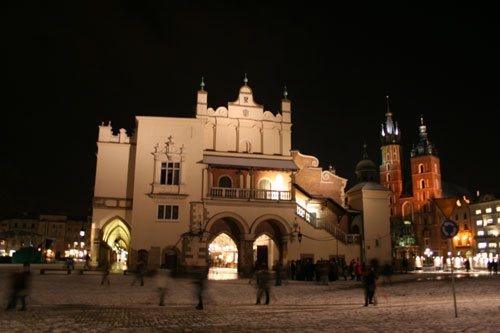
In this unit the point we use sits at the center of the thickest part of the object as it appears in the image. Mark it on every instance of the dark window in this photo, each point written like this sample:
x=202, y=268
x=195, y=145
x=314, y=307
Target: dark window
x=466, y=226
x=168, y=212
x=225, y=182
x=170, y=173
x=465, y=216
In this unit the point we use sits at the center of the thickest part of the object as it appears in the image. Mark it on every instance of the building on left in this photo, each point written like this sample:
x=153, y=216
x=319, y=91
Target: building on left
x=55, y=236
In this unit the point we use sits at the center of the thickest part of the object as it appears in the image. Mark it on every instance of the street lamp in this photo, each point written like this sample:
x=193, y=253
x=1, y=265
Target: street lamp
x=82, y=231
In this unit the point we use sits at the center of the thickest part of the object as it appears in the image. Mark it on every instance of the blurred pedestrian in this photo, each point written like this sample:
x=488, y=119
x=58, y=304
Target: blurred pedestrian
x=278, y=269
x=467, y=265
x=293, y=267
x=358, y=270
x=201, y=285
x=263, y=284
x=387, y=272
x=352, y=270
x=20, y=283
x=87, y=262
x=162, y=282
x=105, y=273
x=369, y=279
x=139, y=274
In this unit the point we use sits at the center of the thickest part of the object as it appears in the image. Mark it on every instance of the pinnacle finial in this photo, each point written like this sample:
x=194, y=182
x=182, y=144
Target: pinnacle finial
x=202, y=84
x=285, y=93
x=365, y=153
x=245, y=80
x=421, y=119
x=387, y=96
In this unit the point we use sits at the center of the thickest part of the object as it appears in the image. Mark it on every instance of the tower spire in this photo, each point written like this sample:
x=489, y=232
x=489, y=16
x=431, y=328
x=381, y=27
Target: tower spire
x=365, y=153
x=388, y=113
x=245, y=80
x=285, y=93
x=202, y=84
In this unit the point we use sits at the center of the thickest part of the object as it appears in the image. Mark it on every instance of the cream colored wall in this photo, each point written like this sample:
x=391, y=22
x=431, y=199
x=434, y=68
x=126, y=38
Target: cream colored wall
x=225, y=129
x=112, y=170
x=376, y=225
x=153, y=131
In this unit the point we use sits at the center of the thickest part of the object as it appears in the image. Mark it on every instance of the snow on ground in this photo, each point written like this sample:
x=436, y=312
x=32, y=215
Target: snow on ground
x=412, y=303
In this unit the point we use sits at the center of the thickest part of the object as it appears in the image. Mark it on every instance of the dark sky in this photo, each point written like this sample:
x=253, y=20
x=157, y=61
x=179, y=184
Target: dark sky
x=69, y=67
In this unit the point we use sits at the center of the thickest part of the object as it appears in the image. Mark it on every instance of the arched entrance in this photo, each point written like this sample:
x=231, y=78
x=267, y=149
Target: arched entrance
x=115, y=244
x=270, y=245
x=229, y=229
x=265, y=252
x=223, y=255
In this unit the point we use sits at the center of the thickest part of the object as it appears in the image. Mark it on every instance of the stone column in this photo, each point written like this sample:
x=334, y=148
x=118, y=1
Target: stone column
x=245, y=256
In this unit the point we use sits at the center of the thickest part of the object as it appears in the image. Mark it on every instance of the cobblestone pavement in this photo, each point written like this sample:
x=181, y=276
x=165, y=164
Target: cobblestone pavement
x=60, y=303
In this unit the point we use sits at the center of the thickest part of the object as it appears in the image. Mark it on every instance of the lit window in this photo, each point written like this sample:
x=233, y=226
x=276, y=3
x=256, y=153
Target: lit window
x=492, y=232
x=479, y=222
x=489, y=221
x=492, y=245
x=478, y=211
x=488, y=210
x=168, y=213
x=482, y=245
x=169, y=174
x=498, y=208
x=480, y=233
x=498, y=220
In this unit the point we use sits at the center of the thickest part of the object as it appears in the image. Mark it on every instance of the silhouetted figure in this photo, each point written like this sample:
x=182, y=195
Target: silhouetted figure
x=352, y=270
x=387, y=272
x=87, y=262
x=20, y=288
x=162, y=279
x=139, y=275
x=278, y=269
x=293, y=268
x=359, y=270
x=201, y=281
x=404, y=265
x=467, y=265
x=263, y=284
x=369, y=279
x=105, y=273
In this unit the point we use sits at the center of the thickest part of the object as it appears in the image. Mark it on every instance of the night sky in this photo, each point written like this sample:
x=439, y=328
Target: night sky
x=69, y=67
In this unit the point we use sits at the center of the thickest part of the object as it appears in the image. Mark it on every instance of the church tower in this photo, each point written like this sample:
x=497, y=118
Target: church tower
x=425, y=168
x=390, y=170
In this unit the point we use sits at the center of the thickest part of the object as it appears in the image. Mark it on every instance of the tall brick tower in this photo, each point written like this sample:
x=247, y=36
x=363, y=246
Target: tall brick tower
x=390, y=169
x=426, y=183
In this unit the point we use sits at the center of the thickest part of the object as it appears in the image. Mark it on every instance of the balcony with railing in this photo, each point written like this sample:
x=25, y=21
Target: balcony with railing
x=246, y=193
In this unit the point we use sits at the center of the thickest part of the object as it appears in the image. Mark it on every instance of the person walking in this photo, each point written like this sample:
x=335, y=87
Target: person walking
x=19, y=288
x=162, y=281
x=351, y=269
x=105, y=273
x=201, y=285
x=263, y=284
x=139, y=275
x=359, y=270
x=369, y=279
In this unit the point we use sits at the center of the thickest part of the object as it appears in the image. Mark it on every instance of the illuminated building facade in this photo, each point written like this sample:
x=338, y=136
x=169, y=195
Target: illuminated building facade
x=56, y=236
x=485, y=220
x=178, y=190
x=415, y=219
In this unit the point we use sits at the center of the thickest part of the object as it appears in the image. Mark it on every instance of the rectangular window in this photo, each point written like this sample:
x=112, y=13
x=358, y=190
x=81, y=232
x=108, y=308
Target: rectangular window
x=168, y=213
x=465, y=216
x=482, y=245
x=489, y=221
x=488, y=210
x=466, y=226
x=498, y=208
x=480, y=233
x=479, y=222
x=170, y=173
x=492, y=245
x=478, y=211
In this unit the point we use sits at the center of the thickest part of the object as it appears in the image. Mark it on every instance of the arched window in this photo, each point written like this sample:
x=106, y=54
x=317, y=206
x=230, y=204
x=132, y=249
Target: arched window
x=390, y=199
x=422, y=183
x=266, y=187
x=225, y=181
x=388, y=167
x=420, y=168
x=388, y=177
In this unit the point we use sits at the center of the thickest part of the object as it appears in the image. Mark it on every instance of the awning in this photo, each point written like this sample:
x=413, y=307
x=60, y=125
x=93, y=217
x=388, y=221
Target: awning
x=248, y=163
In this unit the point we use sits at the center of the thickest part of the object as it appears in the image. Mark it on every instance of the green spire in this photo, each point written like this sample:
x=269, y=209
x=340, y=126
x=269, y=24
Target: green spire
x=202, y=84
x=285, y=93
x=245, y=80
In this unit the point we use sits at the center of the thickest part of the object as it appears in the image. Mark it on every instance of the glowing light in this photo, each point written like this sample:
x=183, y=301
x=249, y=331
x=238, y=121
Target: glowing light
x=488, y=210
x=478, y=211
x=459, y=204
x=457, y=238
x=280, y=184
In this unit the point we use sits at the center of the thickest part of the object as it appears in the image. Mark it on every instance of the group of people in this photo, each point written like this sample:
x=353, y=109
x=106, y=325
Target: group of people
x=324, y=271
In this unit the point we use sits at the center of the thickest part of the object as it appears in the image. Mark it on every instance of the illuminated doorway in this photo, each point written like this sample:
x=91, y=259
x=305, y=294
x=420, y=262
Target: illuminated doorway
x=223, y=254
x=265, y=252
x=115, y=245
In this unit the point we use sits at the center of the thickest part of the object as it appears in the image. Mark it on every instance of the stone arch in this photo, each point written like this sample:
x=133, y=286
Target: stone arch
x=115, y=232
x=229, y=216
x=280, y=222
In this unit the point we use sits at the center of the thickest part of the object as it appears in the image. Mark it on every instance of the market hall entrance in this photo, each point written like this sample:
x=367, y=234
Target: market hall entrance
x=115, y=243
x=265, y=252
x=223, y=254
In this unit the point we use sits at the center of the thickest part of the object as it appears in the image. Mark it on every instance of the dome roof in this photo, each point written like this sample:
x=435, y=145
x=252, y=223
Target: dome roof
x=366, y=165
